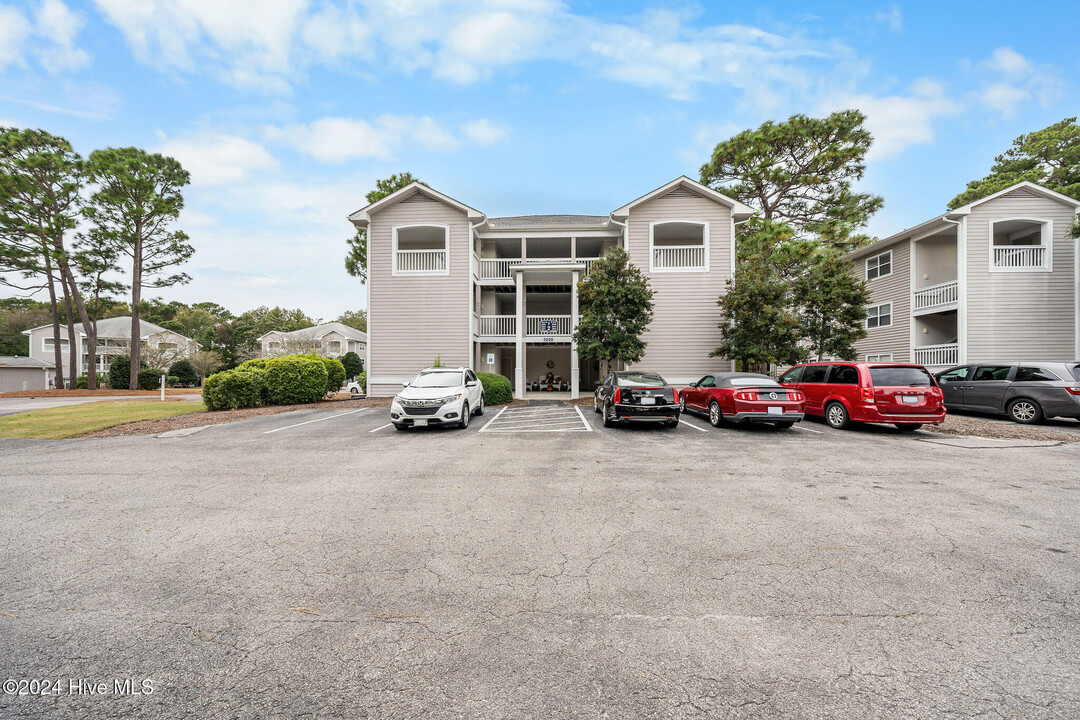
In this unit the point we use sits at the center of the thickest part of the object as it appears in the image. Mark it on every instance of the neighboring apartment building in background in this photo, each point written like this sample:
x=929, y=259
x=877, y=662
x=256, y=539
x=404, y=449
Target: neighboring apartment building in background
x=332, y=340
x=114, y=338
x=997, y=280
x=446, y=281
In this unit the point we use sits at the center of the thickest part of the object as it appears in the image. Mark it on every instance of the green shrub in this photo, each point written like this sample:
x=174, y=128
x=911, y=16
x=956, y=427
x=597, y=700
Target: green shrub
x=257, y=363
x=497, y=388
x=171, y=381
x=235, y=389
x=102, y=381
x=184, y=372
x=120, y=372
x=295, y=379
x=335, y=374
x=362, y=379
x=150, y=379
x=353, y=364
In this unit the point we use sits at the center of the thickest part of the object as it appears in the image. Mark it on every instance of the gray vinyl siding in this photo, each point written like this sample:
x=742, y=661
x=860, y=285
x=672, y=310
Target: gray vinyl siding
x=414, y=318
x=12, y=378
x=1020, y=315
x=896, y=289
x=36, y=351
x=686, y=317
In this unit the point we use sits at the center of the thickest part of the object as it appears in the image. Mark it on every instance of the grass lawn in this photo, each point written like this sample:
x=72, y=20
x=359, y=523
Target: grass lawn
x=62, y=422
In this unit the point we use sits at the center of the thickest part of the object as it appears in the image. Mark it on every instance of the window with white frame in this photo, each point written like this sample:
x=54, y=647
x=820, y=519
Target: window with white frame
x=1021, y=245
x=879, y=265
x=421, y=250
x=679, y=246
x=47, y=344
x=879, y=316
x=887, y=357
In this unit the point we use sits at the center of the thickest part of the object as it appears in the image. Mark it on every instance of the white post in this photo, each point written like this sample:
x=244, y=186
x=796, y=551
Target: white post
x=162, y=388
x=574, y=380
x=519, y=327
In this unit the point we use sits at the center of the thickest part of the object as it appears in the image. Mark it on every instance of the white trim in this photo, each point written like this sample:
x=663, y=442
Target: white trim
x=737, y=207
x=1076, y=297
x=704, y=238
x=363, y=215
x=879, y=306
x=866, y=267
x=63, y=341
x=511, y=234
x=394, y=257
x=911, y=301
x=1046, y=241
x=1027, y=184
x=961, y=277
x=880, y=357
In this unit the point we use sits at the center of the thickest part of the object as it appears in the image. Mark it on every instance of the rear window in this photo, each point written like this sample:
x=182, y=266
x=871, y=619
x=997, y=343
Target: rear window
x=640, y=380
x=1034, y=374
x=900, y=377
x=1076, y=372
x=844, y=375
x=753, y=382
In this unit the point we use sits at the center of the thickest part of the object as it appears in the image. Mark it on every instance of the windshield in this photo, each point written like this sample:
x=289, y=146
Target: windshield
x=640, y=380
x=754, y=382
x=900, y=377
x=437, y=379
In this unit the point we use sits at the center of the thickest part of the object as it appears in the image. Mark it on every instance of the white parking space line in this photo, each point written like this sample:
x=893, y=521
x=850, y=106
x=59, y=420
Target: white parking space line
x=583, y=420
x=547, y=418
x=497, y=415
x=381, y=427
x=690, y=424
x=800, y=427
x=308, y=422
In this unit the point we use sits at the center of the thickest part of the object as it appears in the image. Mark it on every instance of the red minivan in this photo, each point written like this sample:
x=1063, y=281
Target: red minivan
x=906, y=396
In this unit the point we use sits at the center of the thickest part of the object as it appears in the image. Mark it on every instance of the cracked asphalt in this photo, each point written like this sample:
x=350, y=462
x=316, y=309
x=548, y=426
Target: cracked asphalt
x=325, y=570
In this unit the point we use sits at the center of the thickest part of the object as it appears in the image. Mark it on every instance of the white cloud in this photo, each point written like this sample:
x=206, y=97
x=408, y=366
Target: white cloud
x=484, y=131
x=1017, y=82
x=216, y=158
x=891, y=17
x=1009, y=63
x=899, y=121
x=337, y=139
x=706, y=138
x=59, y=26
x=14, y=33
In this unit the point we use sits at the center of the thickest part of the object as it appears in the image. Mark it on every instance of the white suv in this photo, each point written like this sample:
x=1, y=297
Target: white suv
x=438, y=396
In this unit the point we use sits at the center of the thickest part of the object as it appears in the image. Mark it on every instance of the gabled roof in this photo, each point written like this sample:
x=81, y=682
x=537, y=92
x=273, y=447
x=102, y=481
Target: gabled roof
x=115, y=327
x=737, y=208
x=23, y=361
x=363, y=215
x=1027, y=185
x=318, y=331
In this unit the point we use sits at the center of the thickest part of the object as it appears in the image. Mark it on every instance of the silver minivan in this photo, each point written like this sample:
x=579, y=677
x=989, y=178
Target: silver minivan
x=1025, y=391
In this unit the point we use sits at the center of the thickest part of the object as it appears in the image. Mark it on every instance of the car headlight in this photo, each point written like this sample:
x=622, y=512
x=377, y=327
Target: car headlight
x=448, y=399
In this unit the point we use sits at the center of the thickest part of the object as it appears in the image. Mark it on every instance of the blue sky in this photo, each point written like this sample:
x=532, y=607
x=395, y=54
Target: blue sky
x=285, y=111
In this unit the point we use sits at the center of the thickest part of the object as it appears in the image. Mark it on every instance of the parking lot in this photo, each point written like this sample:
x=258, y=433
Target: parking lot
x=321, y=563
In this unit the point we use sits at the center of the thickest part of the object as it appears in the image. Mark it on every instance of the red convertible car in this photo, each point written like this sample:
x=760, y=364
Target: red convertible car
x=743, y=398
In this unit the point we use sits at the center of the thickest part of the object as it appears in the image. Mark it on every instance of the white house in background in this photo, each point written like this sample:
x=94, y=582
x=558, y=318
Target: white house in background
x=332, y=339
x=19, y=372
x=997, y=280
x=114, y=338
x=499, y=294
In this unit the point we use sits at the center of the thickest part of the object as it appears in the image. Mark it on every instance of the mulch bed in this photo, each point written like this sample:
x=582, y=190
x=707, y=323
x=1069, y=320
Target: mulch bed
x=97, y=393
x=967, y=425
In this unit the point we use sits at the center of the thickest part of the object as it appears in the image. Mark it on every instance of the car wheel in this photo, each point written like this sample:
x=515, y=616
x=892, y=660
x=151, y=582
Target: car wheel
x=595, y=405
x=837, y=416
x=716, y=418
x=908, y=427
x=465, y=415
x=1025, y=411
x=401, y=426
x=480, y=407
x=682, y=404
x=609, y=416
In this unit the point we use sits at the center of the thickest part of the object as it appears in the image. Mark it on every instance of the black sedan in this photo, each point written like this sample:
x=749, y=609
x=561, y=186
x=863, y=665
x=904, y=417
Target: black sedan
x=634, y=395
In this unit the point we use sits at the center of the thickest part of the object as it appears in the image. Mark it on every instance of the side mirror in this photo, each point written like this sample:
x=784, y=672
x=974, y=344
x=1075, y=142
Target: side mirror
x=694, y=384
x=597, y=383
x=404, y=384
x=471, y=383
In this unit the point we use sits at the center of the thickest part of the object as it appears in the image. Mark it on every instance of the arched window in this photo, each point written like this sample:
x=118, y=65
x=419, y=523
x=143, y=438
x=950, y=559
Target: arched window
x=1021, y=245
x=422, y=250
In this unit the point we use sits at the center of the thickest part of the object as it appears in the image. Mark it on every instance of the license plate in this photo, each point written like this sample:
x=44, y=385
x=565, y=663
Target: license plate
x=775, y=410
x=648, y=401
x=419, y=423
x=910, y=399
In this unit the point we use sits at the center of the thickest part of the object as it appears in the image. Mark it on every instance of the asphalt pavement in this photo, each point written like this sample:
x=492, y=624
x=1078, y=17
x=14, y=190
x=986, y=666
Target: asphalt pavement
x=320, y=563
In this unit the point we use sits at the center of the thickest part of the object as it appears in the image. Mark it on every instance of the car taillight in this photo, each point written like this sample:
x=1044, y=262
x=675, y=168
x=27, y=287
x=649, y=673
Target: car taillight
x=750, y=395
x=1073, y=390
x=936, y=392
x=675, y=394
x=617, y=397
x=796, y=396
x=867, y=394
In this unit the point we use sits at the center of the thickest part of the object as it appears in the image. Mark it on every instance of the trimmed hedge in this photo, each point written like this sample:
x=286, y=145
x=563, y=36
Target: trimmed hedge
x=295, y=379
x=335, y=374
x=184, y=372
x=150, y=379
x=235, y=389
x=120, y=372
x=497, y=388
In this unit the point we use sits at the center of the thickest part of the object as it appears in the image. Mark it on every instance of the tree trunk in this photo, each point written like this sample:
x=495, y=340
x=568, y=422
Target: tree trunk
x=73, y=347
x=136, y=298
x=58, y=356
x=89, y=329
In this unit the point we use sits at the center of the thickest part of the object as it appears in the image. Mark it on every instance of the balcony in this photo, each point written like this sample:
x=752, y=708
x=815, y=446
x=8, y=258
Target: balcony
x=1020, y=257
x=498, y=325
x=678, y=257
x=536, y=326
x=936, y=297
x=938, y=355
x=500, y=268
x=420, y=262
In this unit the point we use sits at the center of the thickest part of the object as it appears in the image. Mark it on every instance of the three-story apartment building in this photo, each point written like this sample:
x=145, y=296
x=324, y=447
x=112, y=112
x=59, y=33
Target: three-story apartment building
x=499, y=294
x=997, y=280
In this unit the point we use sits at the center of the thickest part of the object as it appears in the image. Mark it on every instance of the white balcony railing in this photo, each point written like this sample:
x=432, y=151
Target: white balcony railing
x=547, y=325
x=1019, y=257
x=499, y=268
x=941, y=294
x=421, y=261
x=678, y=257
x=502, y=325
x=937, y=354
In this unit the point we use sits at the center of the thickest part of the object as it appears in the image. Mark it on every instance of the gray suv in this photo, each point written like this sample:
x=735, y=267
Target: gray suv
x=1025, y=391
